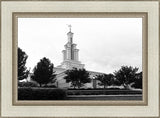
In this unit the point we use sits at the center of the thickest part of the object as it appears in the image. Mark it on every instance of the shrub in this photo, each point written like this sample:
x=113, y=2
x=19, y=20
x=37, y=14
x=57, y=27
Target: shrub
x=77, y=93
x=49, y=86
x=102, y=92
x=27, y=84
x=111, y=88
x=24, y=93
x=70, y=93
x=41, y=94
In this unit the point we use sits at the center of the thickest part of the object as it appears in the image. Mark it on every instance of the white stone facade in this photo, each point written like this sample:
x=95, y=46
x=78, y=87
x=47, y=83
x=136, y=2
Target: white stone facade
x=71, y=60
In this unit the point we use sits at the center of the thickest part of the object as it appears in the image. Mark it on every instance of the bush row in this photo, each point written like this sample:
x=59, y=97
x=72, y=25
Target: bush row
x=102, y=92
x=25, y=93
x=34, y=84
x=93, y=89
x=27, y=84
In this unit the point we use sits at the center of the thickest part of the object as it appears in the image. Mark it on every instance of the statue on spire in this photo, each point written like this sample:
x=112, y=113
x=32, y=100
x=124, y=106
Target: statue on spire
x=70, y=27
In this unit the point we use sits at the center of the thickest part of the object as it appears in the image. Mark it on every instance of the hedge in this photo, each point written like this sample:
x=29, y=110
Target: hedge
x=94, y=89
x=25, y=93
x=27, y=84
x=103, y=92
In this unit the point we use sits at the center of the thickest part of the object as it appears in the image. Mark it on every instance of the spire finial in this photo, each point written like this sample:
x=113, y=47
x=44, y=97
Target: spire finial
x=70, y=27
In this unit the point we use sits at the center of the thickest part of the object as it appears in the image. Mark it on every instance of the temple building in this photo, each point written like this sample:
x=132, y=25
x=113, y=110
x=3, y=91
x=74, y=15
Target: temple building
x=71, y=60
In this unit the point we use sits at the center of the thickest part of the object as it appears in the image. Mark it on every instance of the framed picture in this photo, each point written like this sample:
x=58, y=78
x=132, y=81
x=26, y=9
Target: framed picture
x=79, y=59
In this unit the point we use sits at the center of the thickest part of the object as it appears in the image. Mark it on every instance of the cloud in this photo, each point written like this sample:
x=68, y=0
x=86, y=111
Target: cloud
x=105, y=43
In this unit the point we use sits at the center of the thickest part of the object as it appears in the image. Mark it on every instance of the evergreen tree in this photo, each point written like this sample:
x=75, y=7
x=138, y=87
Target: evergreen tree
x=22, y=69
x=43, y=72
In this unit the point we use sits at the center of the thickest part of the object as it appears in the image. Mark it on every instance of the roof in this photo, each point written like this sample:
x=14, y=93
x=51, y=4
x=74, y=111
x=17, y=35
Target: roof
x=62, y=70
x=59, y=70
x=95, y=73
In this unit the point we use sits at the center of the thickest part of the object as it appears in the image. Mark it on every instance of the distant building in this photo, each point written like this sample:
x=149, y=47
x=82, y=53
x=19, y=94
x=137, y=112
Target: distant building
x=71, y=60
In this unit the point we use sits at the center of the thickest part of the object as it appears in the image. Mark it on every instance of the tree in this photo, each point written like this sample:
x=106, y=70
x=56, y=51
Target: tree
x=22, y=69
x=77, y=77
x=43, y=72
x=126, y=75
x=138, y=81
x=105, y=79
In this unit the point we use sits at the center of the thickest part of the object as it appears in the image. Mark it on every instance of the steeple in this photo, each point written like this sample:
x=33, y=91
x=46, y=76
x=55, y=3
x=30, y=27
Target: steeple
x=69, y=27
x=70, y=54
x=70, y=35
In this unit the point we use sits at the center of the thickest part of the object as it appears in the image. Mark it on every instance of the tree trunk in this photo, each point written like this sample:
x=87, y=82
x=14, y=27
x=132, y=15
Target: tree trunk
x=40, y=85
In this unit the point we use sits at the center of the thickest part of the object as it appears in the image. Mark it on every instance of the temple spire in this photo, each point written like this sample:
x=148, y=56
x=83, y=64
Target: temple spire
x=70, y=35
x=70, y=53
x=70, y=27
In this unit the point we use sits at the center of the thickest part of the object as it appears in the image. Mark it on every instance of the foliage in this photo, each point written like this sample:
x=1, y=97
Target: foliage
x=43, y=72
x=50, y=86
x=105, y=79
x=77, y=77
x=41, y=94
x=126, y=75
x=116, y=82
x=116, y=88
x=22, y=69
x=27, y=84
x=103, y=92
x=138, y=81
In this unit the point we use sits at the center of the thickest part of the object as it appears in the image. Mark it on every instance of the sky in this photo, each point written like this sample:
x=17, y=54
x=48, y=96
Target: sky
x=105, y=44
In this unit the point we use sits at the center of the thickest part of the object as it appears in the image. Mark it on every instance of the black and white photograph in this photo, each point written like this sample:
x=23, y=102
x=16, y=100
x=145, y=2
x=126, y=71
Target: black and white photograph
x=80, y=59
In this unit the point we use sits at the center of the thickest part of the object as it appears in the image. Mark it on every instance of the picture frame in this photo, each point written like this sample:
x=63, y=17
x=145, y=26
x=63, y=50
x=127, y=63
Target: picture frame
x=12, y=10
x=80, y=15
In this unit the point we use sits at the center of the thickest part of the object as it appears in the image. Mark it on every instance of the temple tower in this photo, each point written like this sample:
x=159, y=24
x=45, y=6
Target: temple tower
x=70, y=53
